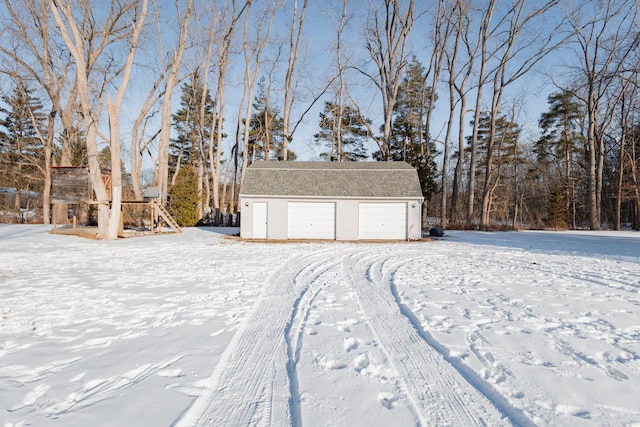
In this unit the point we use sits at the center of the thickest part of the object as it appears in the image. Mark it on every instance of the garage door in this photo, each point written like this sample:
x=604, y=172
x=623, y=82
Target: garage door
x=383, y=221
x=311, y=220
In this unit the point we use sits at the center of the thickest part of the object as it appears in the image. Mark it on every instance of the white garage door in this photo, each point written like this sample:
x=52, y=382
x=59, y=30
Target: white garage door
x=383, y=221
x=311, y=220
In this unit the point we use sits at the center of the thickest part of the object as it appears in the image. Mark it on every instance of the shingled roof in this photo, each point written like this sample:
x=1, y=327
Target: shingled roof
x=332, y=179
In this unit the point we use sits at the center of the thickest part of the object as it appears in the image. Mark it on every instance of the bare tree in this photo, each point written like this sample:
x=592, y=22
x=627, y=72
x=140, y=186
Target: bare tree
x=84, y=51
x=238, y=9
x=171, y=71
x=336, y=151
x=526, y=47
x=113, y=111
x=43, y=58
x=386, y=43
x=604, y=33
x=297, y=22
x=462, y=32
x=253, y=51
x=484, y=35
x=140, y=142
x=444, y=28
x=205, y=174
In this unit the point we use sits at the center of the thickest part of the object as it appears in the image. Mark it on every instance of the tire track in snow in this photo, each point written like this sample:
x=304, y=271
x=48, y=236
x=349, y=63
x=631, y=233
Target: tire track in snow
x=442, y=393
x=294, y=333
x=259, y=387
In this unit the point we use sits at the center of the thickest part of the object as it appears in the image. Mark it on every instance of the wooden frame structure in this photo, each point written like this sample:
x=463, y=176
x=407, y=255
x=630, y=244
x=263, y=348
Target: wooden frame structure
x=72, y=186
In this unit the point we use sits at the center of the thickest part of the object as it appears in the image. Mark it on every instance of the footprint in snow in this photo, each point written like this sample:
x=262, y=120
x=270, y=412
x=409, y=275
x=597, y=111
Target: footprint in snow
x=361, y=362
x=350, y=343
x=345, y=326
x=333, y=364
x=387, y=399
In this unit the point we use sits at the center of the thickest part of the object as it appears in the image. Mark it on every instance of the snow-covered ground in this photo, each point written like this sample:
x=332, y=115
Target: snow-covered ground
x=527, y=328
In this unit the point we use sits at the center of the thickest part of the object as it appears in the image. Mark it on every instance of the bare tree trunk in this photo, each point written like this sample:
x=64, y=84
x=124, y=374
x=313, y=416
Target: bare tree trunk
x=201, y=179
x=206, y=176
x=48, y=155
x=636, y=183
x=250, y=76
x=621, y=156
x=171, y=78
x=294, y=48
x=604, y=41
x=386, y=39
x=483, y=37
x=451, y=65
x=342, y=86
x=462, y=31
x=517, y=19
x=445, y=154
x=223, y=62
x=108, y=216
x=45, y=168
x=49, y=71
x=73, y=39
x=139, y=145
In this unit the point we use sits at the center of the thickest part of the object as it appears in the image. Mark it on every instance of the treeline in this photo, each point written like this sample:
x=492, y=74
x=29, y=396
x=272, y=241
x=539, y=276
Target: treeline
x=205, y=89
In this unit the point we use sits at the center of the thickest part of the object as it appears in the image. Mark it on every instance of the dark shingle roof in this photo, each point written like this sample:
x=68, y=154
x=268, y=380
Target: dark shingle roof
x=331, y=179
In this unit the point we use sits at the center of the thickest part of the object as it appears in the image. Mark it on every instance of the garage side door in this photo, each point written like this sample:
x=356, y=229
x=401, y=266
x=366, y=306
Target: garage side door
x=382, y=221
x=311, y=220
x=260, y=220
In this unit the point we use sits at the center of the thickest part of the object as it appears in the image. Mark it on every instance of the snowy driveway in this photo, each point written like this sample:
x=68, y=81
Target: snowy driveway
x=524, y=328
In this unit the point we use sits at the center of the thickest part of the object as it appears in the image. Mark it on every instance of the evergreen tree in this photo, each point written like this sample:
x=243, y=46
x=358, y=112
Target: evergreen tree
x=77, y=147
x=505, y=150
x=409, y=140
x=193, y=123
x=560, y=127
x=558, y=149
x=21, y=150
x=506, y=157
x=184, y=197
x=556, y=211
x=348, y=142
x=266, y=135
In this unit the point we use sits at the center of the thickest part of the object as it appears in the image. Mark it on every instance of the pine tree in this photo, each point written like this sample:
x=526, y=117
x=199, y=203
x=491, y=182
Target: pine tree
x=409, y=140
x=21, y=150
x=503, y=185
x=193, y=124
x=556, y=212
x=184, y=197
x=557, y=150
x=266, y=135
x=77, y=147
x=348, y=143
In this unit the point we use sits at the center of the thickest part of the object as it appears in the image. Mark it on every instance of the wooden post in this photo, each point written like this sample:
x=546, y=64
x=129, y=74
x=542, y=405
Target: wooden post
x=74, y=222
x=121, y=224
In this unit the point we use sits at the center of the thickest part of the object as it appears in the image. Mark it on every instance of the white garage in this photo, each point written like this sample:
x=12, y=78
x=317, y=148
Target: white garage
x=382, y=221
x=311, y=220
x=330, y=201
